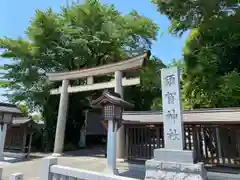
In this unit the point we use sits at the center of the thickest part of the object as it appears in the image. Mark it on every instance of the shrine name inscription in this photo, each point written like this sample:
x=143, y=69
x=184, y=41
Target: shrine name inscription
x=172, y=117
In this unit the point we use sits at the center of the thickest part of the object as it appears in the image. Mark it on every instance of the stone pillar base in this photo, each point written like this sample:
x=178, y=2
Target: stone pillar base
x=111, y=171
x=169, y=169
x=56, y=154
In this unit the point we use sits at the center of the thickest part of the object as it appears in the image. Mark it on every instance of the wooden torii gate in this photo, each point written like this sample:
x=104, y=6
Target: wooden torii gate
x=89, y=74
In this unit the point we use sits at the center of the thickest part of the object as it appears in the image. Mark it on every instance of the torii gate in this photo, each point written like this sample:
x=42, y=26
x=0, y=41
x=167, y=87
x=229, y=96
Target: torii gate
x=89, y=74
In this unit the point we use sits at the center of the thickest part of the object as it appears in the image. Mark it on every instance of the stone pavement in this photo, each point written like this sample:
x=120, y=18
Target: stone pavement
x=32, y=168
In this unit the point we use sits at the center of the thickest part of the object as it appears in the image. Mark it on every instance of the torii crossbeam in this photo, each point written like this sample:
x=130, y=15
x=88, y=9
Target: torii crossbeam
x=132, y=63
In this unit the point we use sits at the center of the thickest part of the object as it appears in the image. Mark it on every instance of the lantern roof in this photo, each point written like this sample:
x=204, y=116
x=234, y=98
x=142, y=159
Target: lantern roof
x=111, y=98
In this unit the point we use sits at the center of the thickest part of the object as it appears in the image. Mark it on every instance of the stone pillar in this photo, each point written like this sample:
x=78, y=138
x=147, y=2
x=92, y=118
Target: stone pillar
x=61, y=120
x=3, y=132
x=172, y=161
x=111, y=149
x=120, y=132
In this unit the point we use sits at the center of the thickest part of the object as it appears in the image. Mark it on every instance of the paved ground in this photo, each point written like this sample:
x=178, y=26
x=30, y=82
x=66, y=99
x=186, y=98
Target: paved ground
x=83, y=159
x=79, y=159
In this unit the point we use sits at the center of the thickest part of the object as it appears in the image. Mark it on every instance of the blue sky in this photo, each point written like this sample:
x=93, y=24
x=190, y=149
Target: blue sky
x=15, y=16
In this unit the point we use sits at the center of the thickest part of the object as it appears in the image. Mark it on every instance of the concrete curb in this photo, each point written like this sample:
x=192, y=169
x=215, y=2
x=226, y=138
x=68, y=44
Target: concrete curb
x=222, y=176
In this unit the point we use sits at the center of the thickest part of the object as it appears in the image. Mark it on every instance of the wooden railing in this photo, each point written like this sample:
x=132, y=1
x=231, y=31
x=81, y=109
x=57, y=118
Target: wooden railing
x=213, y=144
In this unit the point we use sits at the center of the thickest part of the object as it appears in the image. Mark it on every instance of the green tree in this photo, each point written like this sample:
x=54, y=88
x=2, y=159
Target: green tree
x=211, y=55
x=188, y=14
x=80, y=36
x=24, y=109
x=147, y=95
x=211, y=52
x=36, y=117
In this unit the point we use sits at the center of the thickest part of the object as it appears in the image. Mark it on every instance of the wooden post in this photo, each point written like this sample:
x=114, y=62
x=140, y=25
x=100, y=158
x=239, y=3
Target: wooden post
x=24, y=139
x=218, y=143
x=30, y=144
x=82, y=141
x=127, y=142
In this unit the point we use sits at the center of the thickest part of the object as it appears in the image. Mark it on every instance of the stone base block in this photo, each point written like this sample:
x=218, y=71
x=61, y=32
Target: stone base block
x=170, y=164
x=172, y=155
x=162, y=170
x=111, y=171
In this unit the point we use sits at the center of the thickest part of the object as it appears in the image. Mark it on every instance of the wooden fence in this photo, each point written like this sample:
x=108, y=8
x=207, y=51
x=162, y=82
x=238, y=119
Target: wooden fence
x=213, y=144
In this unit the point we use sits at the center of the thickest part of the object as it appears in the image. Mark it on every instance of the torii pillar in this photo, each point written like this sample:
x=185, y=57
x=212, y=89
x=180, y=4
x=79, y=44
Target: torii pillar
x=120, y=137
x=61, y=120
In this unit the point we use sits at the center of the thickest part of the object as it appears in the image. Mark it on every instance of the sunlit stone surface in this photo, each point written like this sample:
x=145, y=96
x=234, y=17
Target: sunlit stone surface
x=160, y=170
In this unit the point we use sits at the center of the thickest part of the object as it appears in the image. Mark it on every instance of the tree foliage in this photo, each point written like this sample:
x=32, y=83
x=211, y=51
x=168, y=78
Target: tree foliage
x=36, y=117
x=211, y=52
x=188, y=14
x=150, y=88
x=80, y=36
x=24, y=109
x=212, y=69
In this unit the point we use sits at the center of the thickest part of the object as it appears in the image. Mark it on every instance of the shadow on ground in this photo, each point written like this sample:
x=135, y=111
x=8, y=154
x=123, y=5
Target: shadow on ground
x=20, y=160
x=137, y=174
x=98, y=152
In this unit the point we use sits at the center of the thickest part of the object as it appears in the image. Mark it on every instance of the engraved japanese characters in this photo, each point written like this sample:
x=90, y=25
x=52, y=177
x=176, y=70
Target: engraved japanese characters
x=172, y=113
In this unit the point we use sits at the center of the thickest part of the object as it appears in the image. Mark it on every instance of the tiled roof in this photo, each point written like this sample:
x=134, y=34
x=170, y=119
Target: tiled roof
x=200, y=115
x=111, y=98
x=10, y=108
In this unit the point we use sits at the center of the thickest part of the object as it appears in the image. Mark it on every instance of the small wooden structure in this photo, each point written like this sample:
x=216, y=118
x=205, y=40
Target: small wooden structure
x=19, y=137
